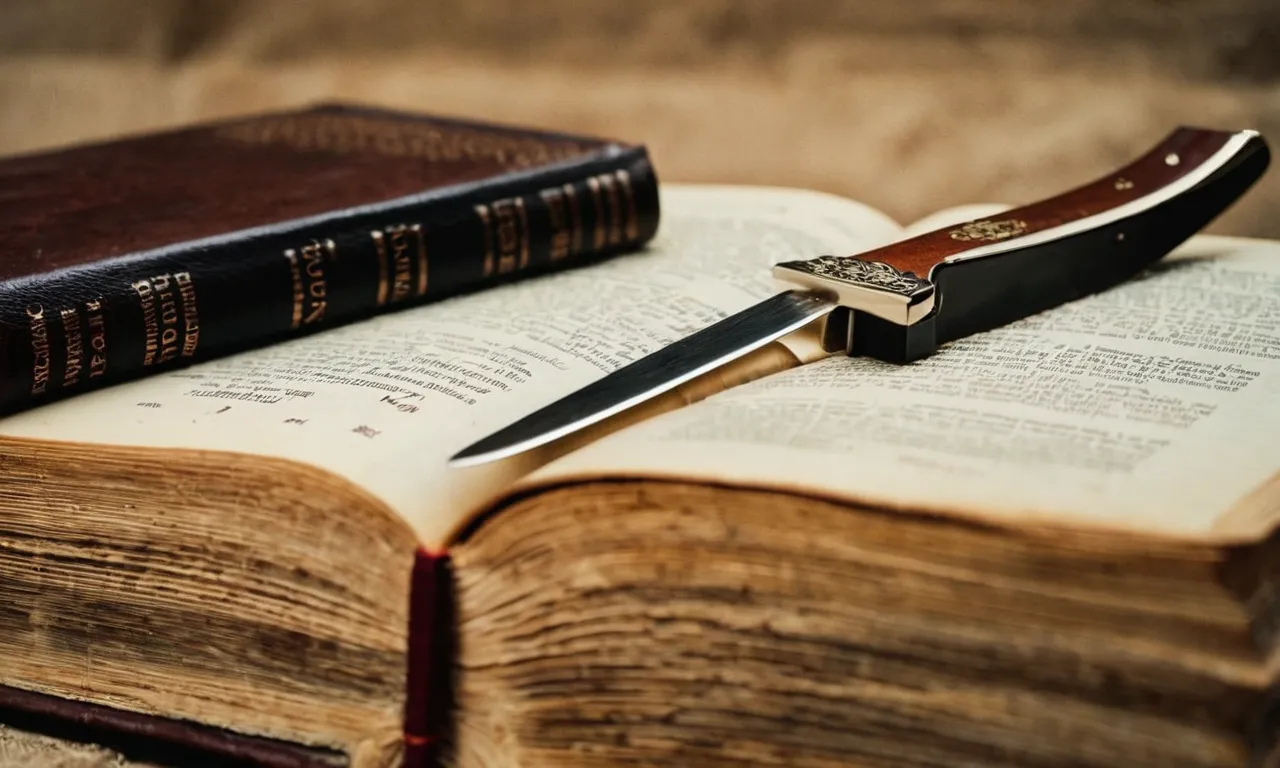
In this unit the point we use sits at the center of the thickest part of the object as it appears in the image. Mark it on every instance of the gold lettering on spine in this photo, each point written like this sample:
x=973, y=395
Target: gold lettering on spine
x=39, y=349
x=507, y=216
x=401, y=282
x=402, y=266
x=317, y=290
x=75, y=346
x=422, y=258
x=632, y=226
x=97, y=338
x=561, y=229
x=190, y=313
x=381, y=248
x=150, y=326
x=506, y=242
x=575, y=218
x=615, y=210
x=483, y=211
x=295, y=274
x=168, y=311
x=594, y=184
x=310, y=291
x=170, y=320
x=524, y=233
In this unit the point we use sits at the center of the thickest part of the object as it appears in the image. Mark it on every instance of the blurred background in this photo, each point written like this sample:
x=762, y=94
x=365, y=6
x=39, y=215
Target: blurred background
x=907, y=106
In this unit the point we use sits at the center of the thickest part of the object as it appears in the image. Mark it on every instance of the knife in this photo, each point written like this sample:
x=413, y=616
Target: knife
x=900, y=302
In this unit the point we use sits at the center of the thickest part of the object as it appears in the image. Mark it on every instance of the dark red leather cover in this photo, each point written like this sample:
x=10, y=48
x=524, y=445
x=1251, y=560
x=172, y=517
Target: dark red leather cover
x=122, y=258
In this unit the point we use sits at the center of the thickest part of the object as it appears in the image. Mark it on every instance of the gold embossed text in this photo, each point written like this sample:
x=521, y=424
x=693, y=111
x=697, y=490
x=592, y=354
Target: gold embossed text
x=39, y=349
x=310, y=290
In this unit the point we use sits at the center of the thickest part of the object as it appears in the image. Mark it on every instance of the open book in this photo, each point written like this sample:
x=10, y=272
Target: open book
x=1050, y=543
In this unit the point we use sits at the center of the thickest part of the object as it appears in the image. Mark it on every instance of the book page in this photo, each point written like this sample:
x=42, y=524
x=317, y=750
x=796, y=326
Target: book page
x=1152, y=407
x=385, y=402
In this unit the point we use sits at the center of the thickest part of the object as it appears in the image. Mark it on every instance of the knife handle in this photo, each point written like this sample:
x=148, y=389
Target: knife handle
x=908, y=297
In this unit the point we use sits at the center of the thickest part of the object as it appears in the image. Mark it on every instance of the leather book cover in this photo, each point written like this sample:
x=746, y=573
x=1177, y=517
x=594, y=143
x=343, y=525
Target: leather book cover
x=125, y=257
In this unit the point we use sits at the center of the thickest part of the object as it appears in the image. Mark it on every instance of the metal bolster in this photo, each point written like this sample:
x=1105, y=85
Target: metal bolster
x=872, y=287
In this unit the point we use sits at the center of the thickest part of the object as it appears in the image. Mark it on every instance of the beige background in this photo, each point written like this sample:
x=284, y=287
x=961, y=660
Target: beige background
x=909, y=106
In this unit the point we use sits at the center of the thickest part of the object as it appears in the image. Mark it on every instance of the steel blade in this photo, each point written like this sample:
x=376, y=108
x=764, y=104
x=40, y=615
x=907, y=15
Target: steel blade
x=650, y=376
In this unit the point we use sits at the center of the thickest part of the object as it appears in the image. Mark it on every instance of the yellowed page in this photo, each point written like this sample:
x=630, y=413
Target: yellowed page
x=385, y=402
x=1153, y=407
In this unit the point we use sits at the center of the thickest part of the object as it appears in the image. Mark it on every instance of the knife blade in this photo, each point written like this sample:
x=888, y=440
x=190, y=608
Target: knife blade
x=901, y=301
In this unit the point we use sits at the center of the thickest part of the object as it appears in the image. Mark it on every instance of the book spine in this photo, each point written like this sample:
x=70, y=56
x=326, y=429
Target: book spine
x=429, y=685
x=72, y=331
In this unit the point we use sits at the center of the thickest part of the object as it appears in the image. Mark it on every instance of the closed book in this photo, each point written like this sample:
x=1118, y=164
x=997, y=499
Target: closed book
x=146, y=253
x=1049, y=544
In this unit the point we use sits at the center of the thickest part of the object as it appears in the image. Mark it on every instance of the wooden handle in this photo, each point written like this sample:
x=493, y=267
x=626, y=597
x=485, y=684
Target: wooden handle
x=1184, y=152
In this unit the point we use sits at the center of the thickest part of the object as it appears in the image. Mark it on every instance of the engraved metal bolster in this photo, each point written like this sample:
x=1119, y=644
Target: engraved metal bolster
x=867, y=286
